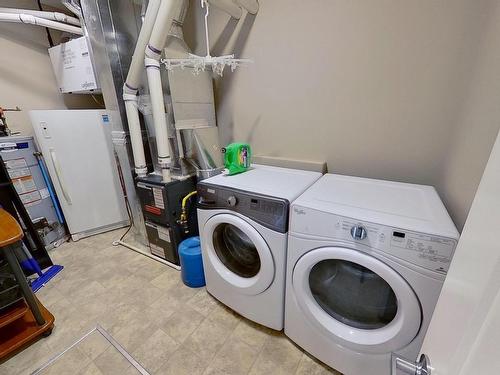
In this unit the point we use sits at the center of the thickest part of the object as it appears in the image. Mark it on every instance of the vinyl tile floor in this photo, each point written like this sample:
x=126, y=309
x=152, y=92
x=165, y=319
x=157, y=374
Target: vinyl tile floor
x=167, y=327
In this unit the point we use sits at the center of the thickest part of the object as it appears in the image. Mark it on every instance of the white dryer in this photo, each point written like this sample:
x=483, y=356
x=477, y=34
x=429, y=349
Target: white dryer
x=366, y=263
x=243, y=222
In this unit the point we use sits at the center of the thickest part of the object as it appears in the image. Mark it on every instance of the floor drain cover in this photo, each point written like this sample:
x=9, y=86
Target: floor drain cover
x=96, y=352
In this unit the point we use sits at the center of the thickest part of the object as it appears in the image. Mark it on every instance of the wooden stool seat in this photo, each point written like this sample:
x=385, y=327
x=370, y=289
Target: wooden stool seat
x=19, y=325
x=10, y=230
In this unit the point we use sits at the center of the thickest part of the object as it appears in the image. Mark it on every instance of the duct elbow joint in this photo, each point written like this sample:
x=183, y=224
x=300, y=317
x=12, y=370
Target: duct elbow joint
x=129, y=92
x=164, y=162
x=151, y=63
x=128, y=97
x=27, y=18
x=152, y=53
x=141, y=171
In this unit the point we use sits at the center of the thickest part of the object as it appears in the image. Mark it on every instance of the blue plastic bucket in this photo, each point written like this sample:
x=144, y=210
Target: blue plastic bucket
x=191, y=262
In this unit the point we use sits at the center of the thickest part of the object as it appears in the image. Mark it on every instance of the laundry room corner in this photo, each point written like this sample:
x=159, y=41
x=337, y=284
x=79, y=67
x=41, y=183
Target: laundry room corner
x=247, y=187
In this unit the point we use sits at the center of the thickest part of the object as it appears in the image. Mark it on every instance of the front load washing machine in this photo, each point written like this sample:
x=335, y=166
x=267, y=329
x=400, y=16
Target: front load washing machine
x=366, y=263
x=243, y=222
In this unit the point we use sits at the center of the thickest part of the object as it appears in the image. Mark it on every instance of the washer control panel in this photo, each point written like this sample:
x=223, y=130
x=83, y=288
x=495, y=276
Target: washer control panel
x=425, y=250
x=268, y=211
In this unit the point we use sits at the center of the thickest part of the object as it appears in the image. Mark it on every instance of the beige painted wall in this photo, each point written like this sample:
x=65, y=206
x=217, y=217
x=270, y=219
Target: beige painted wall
x=477, y=125
x=26, y=77
x=375, y=88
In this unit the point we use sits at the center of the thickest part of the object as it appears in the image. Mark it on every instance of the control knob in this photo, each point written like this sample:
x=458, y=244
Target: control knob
x=358, y=232
x=232, y=201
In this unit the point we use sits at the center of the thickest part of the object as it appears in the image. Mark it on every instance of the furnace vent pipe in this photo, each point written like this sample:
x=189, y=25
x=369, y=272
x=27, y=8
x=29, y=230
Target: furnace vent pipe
x=135, y=132
x=54, y=16
x=33, y=20
x=158, y=110
x=134, y=75
x=166, y=14
x=131, y=87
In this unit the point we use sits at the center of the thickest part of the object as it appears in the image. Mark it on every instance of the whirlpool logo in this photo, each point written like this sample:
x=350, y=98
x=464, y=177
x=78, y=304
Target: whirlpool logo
x=299, y=211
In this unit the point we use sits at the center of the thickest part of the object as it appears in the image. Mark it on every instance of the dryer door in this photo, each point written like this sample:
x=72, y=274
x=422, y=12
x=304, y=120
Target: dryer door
x=238, y=253
x=356, y=300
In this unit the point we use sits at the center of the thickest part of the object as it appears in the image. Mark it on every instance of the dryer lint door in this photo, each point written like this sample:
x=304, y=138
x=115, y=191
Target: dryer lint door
x=356, y=300
x=239, y=254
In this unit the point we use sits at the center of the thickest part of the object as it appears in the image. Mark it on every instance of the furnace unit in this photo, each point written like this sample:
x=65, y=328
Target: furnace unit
x=161, y=204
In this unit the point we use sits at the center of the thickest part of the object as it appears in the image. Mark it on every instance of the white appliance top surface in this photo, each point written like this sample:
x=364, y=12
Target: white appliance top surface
x=273, y=181
x=407, y=206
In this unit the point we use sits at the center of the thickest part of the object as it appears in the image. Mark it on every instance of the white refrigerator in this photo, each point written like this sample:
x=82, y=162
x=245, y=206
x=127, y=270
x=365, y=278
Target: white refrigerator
x=77, y=148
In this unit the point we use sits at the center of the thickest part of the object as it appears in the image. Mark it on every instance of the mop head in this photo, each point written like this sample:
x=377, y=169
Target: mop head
x=45, y=277
x=31, y=266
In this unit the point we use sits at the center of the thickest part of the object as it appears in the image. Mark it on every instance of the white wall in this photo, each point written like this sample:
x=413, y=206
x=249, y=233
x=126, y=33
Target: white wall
x=375, y=88
x=463, y=335
x=26, y=76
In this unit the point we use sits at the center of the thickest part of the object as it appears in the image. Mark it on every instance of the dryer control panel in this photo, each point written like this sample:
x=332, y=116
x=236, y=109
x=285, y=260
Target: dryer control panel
x=425, y=250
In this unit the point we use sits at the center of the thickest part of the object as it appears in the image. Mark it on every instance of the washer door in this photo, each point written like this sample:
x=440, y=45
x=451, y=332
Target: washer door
x=238, y=253
x=356, y=300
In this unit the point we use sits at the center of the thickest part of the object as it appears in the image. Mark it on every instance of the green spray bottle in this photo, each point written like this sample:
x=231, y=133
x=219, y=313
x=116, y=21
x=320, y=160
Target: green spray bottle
x=236, y=158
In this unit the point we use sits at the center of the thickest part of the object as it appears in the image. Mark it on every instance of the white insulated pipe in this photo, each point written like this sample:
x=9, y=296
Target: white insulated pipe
x=134, y=127
x=158, y=110
x=228, y=6
x=134, y=74
x=33, y=20
x=131, y=87
x=54, y=16
x=166, y=14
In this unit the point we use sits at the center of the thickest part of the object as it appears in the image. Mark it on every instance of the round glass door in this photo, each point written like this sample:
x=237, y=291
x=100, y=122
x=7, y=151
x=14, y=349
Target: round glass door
x=356, y=299
x=236, y=250
x=238, y=253
x=353, y=294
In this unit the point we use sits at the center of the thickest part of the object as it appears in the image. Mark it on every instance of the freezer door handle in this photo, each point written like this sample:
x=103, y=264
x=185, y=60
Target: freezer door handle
x=59, y=176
